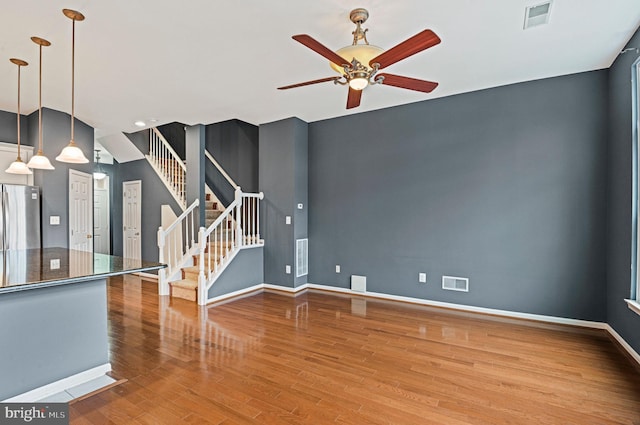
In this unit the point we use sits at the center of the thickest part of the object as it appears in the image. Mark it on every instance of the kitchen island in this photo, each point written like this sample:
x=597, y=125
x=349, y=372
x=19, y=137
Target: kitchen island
x=53, y=318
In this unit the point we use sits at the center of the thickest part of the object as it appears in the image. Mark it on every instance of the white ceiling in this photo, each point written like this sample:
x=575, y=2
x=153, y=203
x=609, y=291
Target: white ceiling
x=205, y=61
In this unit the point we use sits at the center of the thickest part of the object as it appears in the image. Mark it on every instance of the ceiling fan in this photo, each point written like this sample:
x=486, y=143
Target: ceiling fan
x=366, y=60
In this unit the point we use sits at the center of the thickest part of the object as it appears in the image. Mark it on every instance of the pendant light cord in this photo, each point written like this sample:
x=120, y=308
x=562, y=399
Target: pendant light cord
x=20, y=159
x=73, y=63
x=40, y=105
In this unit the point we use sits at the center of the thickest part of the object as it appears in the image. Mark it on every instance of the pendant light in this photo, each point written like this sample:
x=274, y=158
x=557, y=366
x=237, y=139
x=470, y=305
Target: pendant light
x=39, y=161
x=99, y=173
x=72, y=153
x=17, y=166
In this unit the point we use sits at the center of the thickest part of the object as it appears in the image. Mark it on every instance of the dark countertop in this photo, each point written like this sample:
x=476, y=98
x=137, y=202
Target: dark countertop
x=38, y=268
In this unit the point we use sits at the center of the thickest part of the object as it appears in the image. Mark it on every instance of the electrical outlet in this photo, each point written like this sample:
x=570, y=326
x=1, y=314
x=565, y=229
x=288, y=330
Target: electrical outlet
x=54, y=264
x=287, y=269
x=422, y=278
x=337, y=268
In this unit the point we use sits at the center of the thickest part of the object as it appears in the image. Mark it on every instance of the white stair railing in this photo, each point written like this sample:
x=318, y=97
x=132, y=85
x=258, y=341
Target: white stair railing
x=237, y=228
x=169, y=166
x=176, y=244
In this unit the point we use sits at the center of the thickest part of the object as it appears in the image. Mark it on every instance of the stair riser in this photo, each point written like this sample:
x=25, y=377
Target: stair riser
x=187, y=294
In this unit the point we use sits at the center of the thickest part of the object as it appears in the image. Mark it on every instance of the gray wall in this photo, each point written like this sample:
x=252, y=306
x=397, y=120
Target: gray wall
x=54, y=184
x=503, y=186
x=244, y=271
x=283, y=179
x=234, y=144
x=620, y=229
x=154, y=195
x=9, y=128
x=50, y=334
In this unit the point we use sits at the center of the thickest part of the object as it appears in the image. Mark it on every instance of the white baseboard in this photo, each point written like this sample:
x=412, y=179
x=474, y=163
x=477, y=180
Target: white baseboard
x=60, y=385
x=629, y=349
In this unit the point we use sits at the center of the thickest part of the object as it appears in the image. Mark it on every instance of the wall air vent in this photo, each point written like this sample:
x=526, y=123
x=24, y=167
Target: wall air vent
x=302, y=257
x=537, y=15
x=358, y=283
x=452, y=283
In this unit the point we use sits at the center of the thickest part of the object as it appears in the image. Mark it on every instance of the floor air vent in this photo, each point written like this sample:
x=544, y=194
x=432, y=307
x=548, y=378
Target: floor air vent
x=452, y=283
x=358, y=283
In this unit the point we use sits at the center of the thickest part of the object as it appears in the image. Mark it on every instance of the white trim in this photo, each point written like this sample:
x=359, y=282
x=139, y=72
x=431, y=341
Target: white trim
x=236, y=294
x=633, y=353
x=60, y=385
x=634, y=306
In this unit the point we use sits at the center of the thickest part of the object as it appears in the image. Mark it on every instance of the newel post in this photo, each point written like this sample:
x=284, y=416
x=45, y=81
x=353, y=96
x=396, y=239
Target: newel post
x=163, y=286
x=239, y=224
x=202, y=281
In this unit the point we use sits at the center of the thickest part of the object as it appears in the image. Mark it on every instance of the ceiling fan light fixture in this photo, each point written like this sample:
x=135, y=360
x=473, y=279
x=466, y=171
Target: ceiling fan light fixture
x=363, y=53
x=358, y=83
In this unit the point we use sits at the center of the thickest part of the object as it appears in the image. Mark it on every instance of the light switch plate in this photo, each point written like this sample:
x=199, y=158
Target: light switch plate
x=422, y=278
x=54, y=264
x=337, y=268
x=287, y=219
x=287, y=269
x=54, y=220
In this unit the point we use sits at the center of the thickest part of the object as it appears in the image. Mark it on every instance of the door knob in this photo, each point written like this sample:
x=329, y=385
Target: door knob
x=89, y=236
x=137, y=234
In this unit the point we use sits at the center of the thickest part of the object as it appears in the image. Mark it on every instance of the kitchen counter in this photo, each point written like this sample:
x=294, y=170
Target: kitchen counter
x=54, y=321
x=22, y=270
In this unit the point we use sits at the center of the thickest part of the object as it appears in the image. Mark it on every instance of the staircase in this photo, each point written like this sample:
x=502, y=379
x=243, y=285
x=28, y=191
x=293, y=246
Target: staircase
x=197, y=256
x=187, y=286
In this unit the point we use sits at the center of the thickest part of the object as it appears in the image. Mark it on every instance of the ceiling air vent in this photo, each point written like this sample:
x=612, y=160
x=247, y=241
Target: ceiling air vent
x=537, y=15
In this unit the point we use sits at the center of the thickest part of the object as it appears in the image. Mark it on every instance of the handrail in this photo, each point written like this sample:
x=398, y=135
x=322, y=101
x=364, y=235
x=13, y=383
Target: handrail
x=236, y=228
x=219, y=167
x=176, y=244
x=181, y=216
x=169, y=148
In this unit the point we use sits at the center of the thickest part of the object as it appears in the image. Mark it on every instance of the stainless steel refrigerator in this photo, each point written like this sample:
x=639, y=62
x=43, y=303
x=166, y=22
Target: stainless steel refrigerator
x=19, y=217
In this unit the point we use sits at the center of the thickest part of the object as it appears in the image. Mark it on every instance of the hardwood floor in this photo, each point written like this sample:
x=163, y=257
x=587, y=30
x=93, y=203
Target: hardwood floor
x=322, y=358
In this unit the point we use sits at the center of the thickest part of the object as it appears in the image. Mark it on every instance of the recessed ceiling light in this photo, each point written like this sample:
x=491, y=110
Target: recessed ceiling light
x=140, y=123
x=537, y=15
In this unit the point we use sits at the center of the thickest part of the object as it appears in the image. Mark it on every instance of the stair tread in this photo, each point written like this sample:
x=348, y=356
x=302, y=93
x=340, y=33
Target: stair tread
x=184, y=283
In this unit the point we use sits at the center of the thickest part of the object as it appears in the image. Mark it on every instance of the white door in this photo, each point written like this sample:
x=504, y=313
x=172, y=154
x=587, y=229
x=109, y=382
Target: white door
x=131, y=218
x=101, y=217
x=80, y=211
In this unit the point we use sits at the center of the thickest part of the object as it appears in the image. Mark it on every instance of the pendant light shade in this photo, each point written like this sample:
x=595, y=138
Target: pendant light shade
x=72, y=153
x=99, y=173
x=17, y=166
x=39, y=161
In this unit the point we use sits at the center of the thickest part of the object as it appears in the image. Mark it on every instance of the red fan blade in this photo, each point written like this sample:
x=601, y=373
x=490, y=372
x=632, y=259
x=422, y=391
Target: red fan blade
x=353, y=100
x=411, y=46
x=408, y=83
x=306, y=83
x=317, y=47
